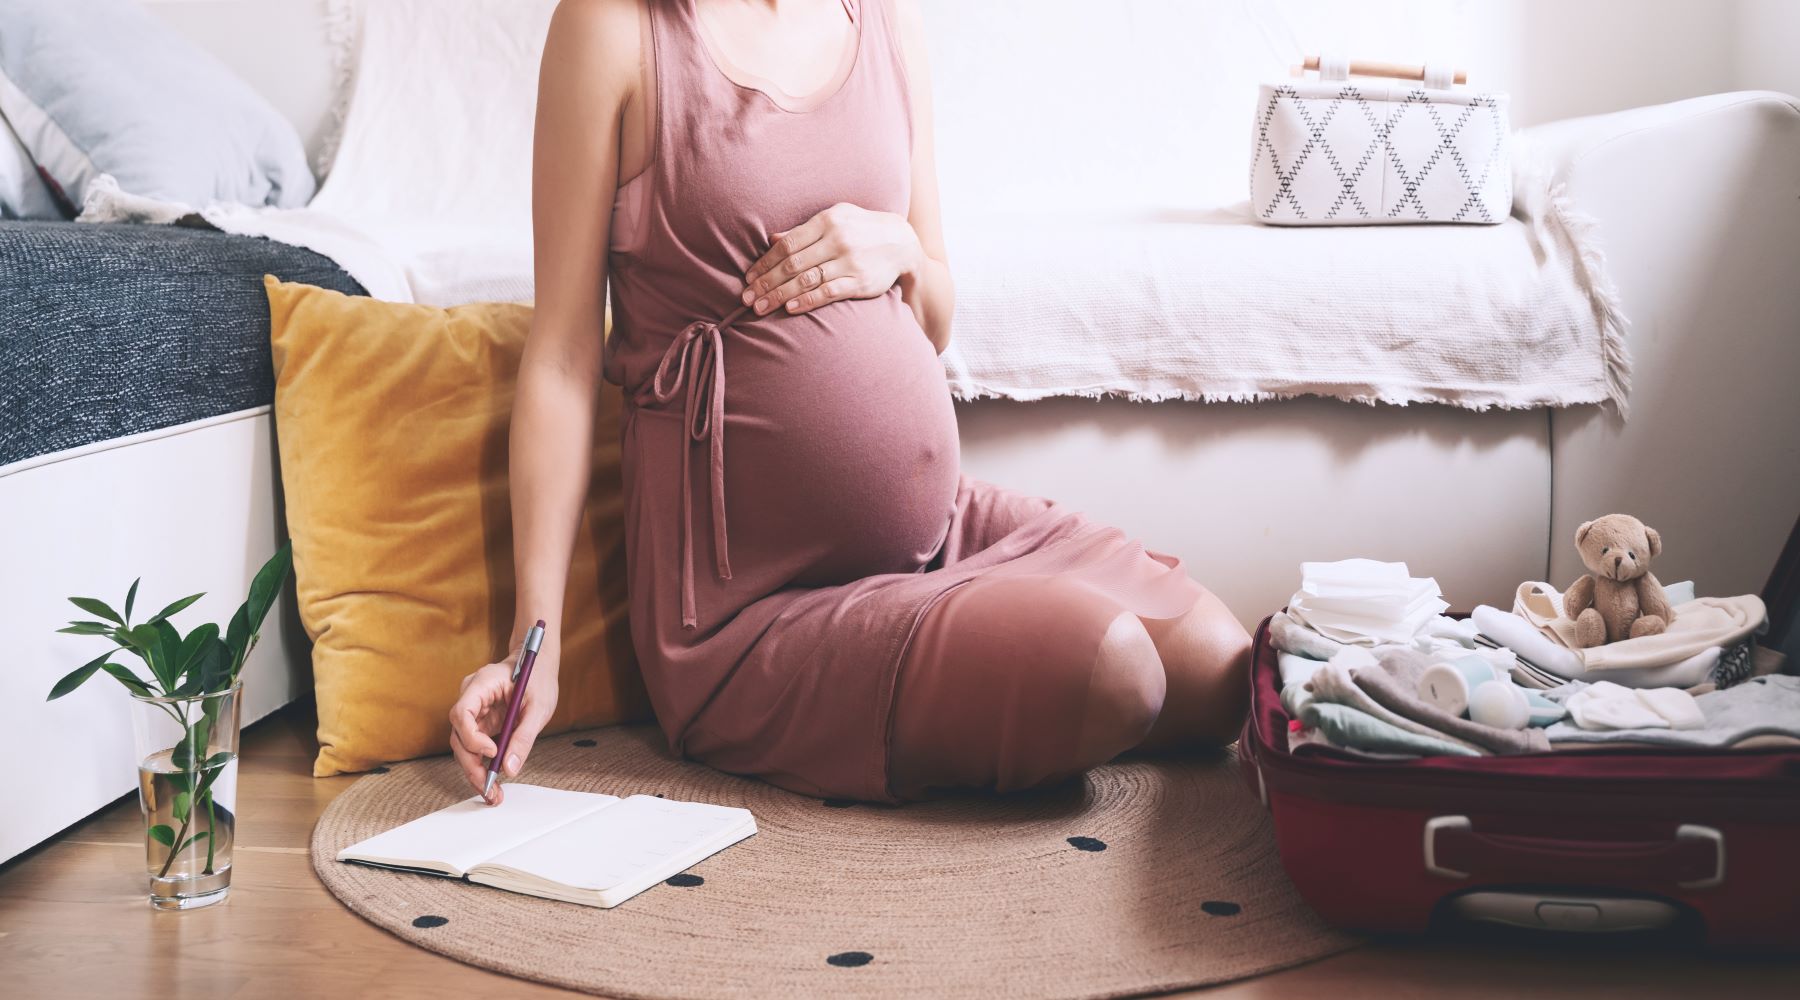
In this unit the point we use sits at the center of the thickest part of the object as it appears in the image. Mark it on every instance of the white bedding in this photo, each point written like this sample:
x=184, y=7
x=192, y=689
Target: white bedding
x=429, y=195
x=1213, y=306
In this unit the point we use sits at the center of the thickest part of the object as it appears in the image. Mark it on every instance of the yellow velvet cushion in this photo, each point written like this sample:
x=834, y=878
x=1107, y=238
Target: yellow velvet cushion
x=392, y=422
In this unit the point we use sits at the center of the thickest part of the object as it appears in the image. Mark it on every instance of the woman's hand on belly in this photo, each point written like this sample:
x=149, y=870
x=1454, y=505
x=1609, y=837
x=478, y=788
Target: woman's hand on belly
x=844, y=252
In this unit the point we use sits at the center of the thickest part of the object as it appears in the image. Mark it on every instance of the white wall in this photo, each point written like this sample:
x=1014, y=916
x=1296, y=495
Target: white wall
x=1169, y=84
x=1565, y=58
x=1768, y=34
x=1148, y=104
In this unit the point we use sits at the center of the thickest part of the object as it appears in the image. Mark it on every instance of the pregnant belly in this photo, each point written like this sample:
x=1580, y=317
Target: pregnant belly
x=841, y=444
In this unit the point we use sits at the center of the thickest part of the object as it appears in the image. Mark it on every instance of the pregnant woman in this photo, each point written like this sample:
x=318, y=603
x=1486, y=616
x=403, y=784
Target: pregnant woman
x=818, y=596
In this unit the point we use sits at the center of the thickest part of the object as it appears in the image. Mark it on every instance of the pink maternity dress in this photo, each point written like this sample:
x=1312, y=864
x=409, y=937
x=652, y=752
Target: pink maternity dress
x=799, y=536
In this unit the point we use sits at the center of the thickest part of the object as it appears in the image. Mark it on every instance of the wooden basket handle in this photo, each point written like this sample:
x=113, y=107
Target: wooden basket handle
x=1397, y=71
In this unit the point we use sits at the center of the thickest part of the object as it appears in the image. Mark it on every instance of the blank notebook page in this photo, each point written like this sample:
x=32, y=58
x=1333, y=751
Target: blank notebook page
x=470, y=832
x=615, y=845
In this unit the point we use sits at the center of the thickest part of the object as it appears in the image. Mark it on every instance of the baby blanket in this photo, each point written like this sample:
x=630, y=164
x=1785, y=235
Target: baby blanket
x=1700, y=624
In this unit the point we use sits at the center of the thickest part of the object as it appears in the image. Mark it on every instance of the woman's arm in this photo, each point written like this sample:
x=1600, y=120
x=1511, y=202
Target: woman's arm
x=927, y=287
x=589, y=71
x=850, y=252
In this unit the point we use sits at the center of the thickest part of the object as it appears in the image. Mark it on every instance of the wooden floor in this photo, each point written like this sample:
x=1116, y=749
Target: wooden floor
x=74, y=923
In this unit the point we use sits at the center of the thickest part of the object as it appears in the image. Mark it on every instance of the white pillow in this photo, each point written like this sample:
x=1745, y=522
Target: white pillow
x=434, y=161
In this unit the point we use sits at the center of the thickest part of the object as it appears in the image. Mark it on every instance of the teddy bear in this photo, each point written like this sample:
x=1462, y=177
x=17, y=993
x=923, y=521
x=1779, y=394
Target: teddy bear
x=1618, y=598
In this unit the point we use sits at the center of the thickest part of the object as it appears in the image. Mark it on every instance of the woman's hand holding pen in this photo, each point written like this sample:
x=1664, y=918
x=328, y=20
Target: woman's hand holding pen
x=479, y=713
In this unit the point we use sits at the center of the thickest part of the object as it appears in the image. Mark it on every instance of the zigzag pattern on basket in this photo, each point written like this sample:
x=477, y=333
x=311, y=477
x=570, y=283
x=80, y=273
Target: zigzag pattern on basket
x=1346, y=154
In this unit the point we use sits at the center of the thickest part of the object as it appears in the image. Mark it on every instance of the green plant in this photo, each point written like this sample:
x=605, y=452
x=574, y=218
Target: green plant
x=203, y=662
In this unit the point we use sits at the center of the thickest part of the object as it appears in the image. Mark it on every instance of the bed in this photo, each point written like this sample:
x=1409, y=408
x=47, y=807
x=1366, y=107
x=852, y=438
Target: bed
x=135, y=385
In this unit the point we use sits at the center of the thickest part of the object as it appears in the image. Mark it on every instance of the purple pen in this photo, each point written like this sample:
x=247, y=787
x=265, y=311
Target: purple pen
x=521, y=677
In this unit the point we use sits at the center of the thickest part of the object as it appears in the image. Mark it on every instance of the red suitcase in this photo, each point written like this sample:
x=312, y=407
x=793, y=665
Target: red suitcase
x=1590, y=840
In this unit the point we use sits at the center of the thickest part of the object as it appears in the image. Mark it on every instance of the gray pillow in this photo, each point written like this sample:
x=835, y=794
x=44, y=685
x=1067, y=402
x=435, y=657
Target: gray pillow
x=96, y=87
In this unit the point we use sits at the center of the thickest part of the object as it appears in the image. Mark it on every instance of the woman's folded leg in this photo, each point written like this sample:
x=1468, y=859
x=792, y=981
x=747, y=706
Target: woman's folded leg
x=1206, y=658
x=1015, y=681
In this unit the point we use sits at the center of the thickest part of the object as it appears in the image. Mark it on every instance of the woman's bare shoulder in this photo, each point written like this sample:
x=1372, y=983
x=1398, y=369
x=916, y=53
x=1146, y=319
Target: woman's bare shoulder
x=602, y=37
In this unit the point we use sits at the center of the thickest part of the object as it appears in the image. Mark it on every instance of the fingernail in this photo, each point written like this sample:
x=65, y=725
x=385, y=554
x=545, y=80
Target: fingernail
x=747, y=296
x=512, y=763
x=791, y=306
x=762, y=305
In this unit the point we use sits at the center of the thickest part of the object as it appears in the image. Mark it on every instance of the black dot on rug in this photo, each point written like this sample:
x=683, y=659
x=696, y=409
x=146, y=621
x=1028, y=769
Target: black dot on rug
x=430, y=920
x=684, y=881
x=379, y=770
x=842, y=804
x=850, y=959
x=1220, y=908
x=586, y=743
x=1087, y=843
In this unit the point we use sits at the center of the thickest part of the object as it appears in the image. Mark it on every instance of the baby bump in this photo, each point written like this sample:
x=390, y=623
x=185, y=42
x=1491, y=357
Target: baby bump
x=842, y=451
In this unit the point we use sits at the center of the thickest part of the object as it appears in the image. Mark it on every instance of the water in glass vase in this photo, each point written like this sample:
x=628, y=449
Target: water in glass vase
x=189, y=821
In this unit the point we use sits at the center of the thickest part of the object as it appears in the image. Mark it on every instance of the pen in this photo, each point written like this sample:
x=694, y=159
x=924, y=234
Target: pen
x=521, y=677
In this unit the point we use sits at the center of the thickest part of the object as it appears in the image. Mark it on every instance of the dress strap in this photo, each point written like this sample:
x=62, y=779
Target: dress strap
x=695, y=361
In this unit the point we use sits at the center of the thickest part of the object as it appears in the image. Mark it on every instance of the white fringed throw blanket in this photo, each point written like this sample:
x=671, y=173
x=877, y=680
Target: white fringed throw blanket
x=1216, y=307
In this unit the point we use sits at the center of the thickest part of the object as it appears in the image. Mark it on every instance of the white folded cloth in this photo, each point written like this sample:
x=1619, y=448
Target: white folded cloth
x=1699, y=624
x=1609, y=706
x=1542, y=605
x=1532, y=645
x=1365, y=602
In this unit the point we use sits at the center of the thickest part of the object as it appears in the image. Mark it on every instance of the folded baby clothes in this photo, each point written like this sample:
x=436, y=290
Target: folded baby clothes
x=1289, y=636
x=1761, y=706
x=1767, y=741
x=1458, y=630
x=1295, y=669
x=1700, y=624
x=1450, y=684
x=1334, y=684
x=1542, y=605
x=1394, y=685
x=1440, y=648
x=1527, y=675
x=1673, y=704
x=1523, y=638
x=1351, y=729
x=1364, y=602
x=1608, y=706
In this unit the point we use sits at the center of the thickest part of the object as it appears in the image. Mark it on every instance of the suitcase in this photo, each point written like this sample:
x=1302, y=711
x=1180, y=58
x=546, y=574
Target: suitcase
x=1578, y=840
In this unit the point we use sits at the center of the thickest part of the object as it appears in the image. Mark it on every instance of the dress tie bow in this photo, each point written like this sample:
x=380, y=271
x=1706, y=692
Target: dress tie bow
x=695, y=361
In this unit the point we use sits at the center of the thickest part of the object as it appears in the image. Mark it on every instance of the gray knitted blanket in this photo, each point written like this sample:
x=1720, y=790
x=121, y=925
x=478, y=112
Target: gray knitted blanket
x=110, y=330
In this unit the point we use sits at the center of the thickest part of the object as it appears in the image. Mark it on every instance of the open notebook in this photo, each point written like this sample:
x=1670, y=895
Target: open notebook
x=597, y=850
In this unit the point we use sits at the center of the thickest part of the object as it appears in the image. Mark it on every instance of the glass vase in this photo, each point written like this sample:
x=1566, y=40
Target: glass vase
x=187, y=751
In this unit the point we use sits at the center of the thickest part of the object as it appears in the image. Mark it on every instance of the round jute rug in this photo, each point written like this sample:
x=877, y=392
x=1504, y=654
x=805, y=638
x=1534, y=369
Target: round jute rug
x=1145, y=876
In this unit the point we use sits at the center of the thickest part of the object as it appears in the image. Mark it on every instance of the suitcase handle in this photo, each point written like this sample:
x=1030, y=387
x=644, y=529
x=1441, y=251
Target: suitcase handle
x=1693, y=859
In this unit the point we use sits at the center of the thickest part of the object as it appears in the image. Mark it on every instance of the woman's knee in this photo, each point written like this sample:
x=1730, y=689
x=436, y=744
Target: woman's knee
x=1021, y=680
x=1126, y=688
x=1206, y=657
